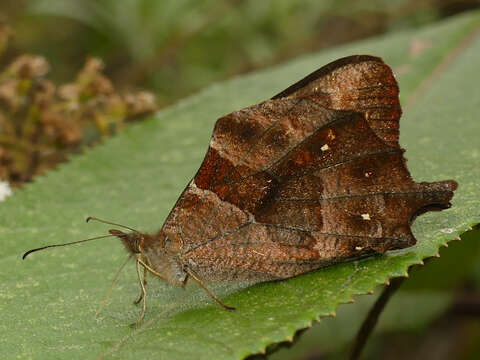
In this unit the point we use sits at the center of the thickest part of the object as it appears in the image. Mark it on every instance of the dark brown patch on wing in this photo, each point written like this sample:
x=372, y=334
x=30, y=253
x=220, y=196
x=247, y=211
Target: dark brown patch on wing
x=291, y=120
x=332, y=144
x=360, y=83
x=249, y=194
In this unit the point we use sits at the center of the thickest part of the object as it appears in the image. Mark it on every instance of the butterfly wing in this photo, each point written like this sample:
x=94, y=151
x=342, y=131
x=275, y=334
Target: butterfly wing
x=292, y=184
x=361, y=83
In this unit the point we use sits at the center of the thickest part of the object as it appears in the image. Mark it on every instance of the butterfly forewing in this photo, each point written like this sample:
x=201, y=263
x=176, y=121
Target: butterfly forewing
x=360, y=83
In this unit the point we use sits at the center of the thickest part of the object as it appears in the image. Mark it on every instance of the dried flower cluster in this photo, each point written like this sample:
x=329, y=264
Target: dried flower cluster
x=42, y=123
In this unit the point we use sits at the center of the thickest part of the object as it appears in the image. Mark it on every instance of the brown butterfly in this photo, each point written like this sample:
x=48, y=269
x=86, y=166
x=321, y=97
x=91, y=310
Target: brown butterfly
x=312, y=177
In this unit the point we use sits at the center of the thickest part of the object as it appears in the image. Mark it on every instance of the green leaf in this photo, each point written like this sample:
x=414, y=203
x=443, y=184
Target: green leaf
x=49, y=300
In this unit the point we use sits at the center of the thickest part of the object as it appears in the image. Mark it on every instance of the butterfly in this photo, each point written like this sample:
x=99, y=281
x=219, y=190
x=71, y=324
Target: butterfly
x=311, y=177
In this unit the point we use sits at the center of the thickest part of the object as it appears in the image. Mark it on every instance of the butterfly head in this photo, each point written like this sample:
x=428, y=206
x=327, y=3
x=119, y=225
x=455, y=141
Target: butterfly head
x=132, y=241
x=155, y=251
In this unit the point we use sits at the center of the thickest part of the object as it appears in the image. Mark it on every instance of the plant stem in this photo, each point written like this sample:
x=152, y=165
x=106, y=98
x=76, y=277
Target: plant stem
x=372, y=317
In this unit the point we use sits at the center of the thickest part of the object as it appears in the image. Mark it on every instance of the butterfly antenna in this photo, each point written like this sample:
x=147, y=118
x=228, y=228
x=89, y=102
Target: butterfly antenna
x=110, y=223
x=57, y=245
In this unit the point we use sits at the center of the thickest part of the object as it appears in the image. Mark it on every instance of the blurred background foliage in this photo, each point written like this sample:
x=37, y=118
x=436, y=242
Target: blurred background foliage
x=57, y=96
x=176, y=47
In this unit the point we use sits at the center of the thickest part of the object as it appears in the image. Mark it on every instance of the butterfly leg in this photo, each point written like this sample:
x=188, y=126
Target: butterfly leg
x=209, y=292
x=100, y=308
x=136, y=302
x=143, y=296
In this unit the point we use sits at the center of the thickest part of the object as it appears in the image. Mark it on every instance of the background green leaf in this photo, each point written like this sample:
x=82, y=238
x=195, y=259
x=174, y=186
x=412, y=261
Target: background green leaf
x=48, y=302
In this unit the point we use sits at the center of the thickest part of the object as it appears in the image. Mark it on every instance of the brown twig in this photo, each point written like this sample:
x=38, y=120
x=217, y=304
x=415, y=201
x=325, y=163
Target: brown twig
x=466, y=305
x=372, y=317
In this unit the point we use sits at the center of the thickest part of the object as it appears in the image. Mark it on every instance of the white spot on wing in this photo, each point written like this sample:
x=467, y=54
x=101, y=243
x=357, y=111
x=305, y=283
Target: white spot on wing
x=325, y=147
x=366, y=216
